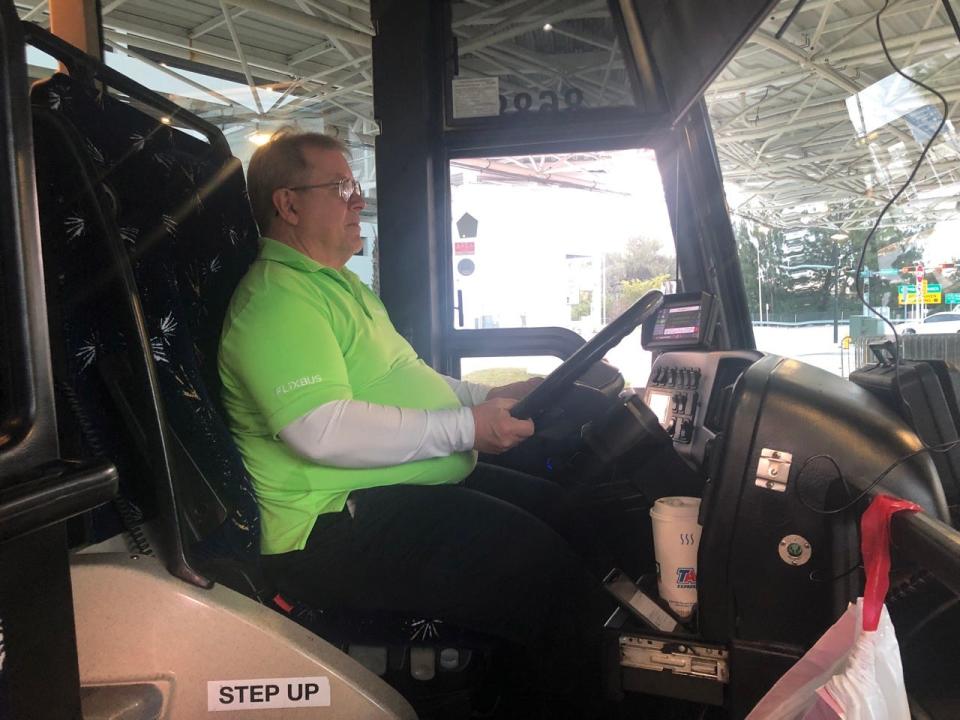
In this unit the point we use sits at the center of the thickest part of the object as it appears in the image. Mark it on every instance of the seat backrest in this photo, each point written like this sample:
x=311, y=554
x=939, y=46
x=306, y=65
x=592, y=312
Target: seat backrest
x=178, y=206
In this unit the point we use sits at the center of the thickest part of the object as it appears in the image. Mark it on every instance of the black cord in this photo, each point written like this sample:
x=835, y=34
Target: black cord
x=790, y=17
x=814, y=575
x=858, y=283
x=945, y=447
x=953, y=18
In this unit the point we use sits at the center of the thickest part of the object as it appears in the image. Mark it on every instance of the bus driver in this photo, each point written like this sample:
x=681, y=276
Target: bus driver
x=363, y=457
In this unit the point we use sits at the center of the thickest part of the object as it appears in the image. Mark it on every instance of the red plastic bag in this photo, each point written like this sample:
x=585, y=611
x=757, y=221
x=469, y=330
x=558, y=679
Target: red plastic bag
x=853, y=672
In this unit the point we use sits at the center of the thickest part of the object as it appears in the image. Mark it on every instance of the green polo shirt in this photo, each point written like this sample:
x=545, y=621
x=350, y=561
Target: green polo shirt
x=297, y=335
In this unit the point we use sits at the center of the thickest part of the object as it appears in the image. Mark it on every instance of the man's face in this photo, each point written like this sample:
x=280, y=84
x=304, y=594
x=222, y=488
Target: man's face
x=327, y=225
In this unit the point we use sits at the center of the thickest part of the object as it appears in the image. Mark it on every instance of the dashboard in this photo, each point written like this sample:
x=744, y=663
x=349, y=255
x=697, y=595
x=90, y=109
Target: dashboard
x=690, y=392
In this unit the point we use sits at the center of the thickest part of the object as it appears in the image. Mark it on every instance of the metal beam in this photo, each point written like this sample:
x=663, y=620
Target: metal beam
x=214, y=23
x=498, y=36
x=341, y=48
x=240, y=56
x=37, y=10
x=365, y=28
x=302, y=22
x=172, y=73
x=111, y=6
x=309, y=53
x=487, y=12
x=181, y=46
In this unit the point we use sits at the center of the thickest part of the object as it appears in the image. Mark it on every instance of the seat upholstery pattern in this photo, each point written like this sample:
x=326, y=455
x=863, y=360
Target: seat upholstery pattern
x=180, y=209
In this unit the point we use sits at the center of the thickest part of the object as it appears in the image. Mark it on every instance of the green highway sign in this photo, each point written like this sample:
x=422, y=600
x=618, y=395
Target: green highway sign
x=952, y=298
x=931, y=288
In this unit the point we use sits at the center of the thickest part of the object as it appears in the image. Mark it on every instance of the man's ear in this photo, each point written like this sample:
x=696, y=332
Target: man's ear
x=284, y=206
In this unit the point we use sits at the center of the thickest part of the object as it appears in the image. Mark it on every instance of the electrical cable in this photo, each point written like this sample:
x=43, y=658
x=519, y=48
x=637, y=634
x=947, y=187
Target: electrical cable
x=953, y=18
x=814, y=575
x=858, y=282
x=945, y=447
x=926, y=448
x=793, y=14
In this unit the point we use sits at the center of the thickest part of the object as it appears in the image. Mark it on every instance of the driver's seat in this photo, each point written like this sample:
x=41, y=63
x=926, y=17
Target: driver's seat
x=165, y=216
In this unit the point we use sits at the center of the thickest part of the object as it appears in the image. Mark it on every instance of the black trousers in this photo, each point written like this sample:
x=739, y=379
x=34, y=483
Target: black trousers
x=485, y=555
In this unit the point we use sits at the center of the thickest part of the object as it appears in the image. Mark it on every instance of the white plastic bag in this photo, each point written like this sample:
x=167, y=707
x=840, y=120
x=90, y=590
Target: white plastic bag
x=853, y=672
x=850, y=673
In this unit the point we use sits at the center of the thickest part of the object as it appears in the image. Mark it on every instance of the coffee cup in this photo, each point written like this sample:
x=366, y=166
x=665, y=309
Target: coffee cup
x=676, y=537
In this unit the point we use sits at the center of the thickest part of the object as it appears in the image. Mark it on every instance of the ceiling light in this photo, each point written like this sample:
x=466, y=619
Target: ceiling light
x=839, y=236
x=165, y=120
x=260, y=138
x=548, y=27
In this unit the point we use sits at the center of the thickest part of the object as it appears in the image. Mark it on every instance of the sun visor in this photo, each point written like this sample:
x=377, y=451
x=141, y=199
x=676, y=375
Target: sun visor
x=686, y=43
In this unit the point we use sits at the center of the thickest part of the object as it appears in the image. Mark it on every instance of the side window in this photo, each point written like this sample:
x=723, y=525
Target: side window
x=499, y=45
x=495, y=371
x=568, y=240
x=810, y=158
x=39, y=64
x=232, y=106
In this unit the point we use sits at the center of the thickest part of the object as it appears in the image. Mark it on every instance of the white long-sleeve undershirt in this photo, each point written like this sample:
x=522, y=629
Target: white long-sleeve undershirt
x=357, y=434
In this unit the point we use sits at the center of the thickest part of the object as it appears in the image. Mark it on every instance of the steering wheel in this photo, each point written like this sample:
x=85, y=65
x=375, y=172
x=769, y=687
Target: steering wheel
x=561, y=379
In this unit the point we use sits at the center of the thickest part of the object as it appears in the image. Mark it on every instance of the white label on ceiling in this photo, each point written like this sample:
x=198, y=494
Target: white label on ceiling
x=268, y=693
x=476, y=97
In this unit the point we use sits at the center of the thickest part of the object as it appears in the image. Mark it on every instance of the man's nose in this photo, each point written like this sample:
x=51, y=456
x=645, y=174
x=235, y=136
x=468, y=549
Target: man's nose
x=356, y=201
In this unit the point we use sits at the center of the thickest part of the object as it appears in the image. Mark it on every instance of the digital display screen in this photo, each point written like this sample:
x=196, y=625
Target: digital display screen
x=660, y=404
x=678, y=323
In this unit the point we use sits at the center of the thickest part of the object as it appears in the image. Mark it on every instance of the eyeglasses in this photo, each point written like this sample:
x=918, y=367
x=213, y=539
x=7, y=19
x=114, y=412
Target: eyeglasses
x=346, y=187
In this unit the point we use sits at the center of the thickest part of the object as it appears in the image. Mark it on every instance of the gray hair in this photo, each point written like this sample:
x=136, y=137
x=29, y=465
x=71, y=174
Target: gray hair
x=280, y=163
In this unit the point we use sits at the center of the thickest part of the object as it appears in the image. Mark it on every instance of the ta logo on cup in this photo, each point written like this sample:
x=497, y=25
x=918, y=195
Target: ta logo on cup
x=687, y=577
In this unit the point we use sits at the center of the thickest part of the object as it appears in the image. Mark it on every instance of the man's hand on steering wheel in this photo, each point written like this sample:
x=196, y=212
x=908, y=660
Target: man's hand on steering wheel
x=515, y=390
x=496, y=430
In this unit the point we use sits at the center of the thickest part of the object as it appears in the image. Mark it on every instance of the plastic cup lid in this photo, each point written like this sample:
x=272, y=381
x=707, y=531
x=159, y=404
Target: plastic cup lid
x=677, y=507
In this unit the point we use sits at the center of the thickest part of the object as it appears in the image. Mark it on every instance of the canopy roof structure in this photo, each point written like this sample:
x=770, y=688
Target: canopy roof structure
x=816, y=127
x=812, y=124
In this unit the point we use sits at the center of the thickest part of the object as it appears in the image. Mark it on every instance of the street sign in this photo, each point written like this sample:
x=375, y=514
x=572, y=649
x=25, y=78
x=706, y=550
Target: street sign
x=928, y=288
x=952, y=298
x=910, y=298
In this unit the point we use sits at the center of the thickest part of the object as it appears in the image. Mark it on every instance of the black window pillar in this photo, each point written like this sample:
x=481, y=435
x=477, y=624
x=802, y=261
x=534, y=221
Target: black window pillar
x=408, y=70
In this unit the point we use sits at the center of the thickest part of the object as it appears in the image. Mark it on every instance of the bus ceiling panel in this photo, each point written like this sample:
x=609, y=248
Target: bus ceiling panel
x=690, y=41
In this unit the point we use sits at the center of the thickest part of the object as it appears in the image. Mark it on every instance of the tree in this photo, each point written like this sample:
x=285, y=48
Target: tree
x=640, y=267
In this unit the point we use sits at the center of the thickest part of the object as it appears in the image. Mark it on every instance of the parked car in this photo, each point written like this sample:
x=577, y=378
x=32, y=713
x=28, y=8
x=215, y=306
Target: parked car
x=941, y=322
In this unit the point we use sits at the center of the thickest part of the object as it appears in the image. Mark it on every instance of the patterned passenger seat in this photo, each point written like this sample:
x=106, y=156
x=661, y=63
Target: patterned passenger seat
x=176, y=206
x=146, y=232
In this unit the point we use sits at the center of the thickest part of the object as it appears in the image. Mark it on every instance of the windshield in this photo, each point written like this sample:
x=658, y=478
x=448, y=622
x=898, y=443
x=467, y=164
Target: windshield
x=816, y=133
